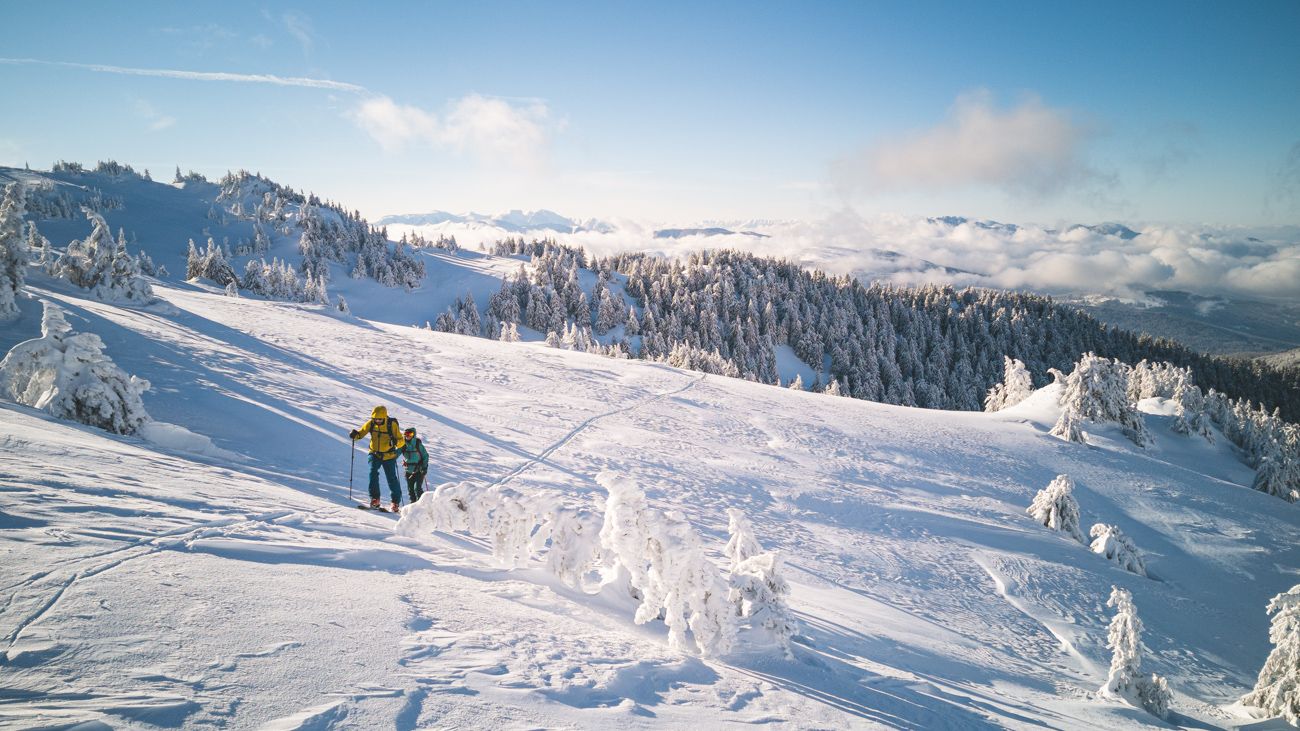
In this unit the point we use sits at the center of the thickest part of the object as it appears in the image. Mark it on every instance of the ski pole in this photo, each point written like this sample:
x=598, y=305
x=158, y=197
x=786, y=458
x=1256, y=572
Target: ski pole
x=352, y=466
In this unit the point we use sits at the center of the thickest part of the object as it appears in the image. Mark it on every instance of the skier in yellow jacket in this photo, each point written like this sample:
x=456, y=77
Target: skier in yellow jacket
x=385, y=442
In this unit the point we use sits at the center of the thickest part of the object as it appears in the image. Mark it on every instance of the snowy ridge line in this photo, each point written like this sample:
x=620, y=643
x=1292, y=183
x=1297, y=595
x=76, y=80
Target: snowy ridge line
x=578, y=430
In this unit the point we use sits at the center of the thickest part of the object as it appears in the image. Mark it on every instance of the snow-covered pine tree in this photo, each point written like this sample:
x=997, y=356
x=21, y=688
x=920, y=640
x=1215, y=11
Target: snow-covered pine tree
x=13, y=249
x=87, y=260
x=1277, y=690
x=68, y=375
x=1055, y=507
x=796, y=384
x=509, y=332
x=1017, y=384
x=232, y=289
x=38, y=247
x=1110, y=542
x=123, y=282
x=1098, y=389
x=467, y=317
x=1126, y=680
x=758, y=590
x=343, y=306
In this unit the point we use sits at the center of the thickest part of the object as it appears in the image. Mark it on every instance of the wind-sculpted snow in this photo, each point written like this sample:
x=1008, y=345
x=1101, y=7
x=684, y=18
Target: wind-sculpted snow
x=170, y=585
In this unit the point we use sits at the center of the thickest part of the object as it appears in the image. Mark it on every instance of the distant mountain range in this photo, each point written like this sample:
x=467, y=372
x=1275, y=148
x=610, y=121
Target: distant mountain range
x=1118, y=230
x=516, y=221
x=677, y=233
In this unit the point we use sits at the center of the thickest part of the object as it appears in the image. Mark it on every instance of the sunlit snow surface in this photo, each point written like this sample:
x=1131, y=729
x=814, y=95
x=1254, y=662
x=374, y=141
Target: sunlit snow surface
x=174, y=584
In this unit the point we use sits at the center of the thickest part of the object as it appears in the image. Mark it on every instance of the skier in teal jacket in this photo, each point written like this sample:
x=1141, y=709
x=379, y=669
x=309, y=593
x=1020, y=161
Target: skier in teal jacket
x=416, y=459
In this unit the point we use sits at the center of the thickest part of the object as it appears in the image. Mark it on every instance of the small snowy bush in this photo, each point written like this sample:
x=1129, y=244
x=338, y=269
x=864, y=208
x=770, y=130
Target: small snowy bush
x=1278, y=689
x=1017, y=384
x=1055, y=507
x=1098, y=389
x=758, y=590
x=512, y=524
x=453, y=506
x=1108, y=541
x=13, y=250
x=67, y=374
x=1126, y=680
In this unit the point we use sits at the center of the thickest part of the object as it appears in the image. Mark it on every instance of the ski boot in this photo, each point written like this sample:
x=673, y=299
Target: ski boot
x=374, y=504
x=397, y=507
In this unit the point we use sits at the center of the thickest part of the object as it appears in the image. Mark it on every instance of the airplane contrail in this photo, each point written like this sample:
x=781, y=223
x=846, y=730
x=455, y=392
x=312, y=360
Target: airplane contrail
x=197, y=75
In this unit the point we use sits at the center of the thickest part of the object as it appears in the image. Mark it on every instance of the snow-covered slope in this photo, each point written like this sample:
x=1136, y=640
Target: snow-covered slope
x=166, y=583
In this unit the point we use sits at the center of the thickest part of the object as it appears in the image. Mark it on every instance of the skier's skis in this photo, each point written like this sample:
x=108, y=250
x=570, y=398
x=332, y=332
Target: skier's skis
x=363, y=506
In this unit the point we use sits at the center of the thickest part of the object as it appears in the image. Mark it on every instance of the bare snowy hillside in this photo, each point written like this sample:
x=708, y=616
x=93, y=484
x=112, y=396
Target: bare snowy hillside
x=179, y=583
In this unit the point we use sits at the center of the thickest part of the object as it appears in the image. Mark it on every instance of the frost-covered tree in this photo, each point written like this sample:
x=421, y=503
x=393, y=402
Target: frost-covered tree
x=1110, y=542
x=1098, y=389
x=1126, y=680
x=343, y=306
x=104, y=266
x=210, y=262
x=68, y=375
x=1277, y=690
x=1055, y=507
x=833, y=388
x=758, y=590
x=278, y=280
x=574, y=544
x=509, y=333
x=38, y=247
x=666, y=565
x=232, y=290
x=13, y=249
x=1017, y=384
x=796, y=384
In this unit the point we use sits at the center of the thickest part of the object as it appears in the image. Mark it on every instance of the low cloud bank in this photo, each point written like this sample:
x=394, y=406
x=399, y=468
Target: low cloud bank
x=1242, y=262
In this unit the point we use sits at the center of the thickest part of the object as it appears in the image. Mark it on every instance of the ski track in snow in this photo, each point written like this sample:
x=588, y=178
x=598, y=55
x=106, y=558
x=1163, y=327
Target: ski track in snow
x=541, y=458
x=148, y=587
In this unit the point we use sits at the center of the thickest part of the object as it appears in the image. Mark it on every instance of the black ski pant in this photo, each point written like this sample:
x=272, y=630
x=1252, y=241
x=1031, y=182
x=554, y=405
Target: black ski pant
x=415, y=485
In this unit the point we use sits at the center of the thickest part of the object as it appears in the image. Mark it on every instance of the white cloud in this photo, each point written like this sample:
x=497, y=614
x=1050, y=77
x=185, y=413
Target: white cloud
x=153, y=119
x=1239, y=262
x=492, y=130
x=1032, y=148
x=300, y=27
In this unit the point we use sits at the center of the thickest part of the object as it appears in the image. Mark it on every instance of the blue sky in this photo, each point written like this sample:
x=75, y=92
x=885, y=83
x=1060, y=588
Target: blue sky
x=1163, y=112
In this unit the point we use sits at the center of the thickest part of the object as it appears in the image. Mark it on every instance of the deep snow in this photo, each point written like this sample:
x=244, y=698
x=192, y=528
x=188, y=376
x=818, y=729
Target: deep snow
x=217, y=573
